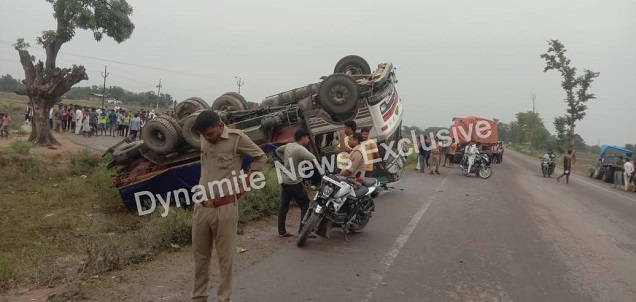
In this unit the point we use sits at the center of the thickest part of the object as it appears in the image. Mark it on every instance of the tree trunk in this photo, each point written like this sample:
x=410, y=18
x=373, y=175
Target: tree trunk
x=41, y=131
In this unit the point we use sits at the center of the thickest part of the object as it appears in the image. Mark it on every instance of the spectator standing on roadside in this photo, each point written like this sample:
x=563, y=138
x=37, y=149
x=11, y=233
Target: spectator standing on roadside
x=125, y=124
x=135, y=125
x=629, y=170
x=292, y=155
x=112, y=123
x=6, y=125
x=452, y=150
x=619, y=167
x=78, y=119
x=369, y=148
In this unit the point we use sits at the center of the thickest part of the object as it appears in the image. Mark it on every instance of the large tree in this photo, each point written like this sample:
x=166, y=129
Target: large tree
x=576, y=90
x=45, y=82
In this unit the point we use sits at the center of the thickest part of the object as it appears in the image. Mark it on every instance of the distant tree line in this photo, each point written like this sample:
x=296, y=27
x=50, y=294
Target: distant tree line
x=144, y=99
x=9, y=84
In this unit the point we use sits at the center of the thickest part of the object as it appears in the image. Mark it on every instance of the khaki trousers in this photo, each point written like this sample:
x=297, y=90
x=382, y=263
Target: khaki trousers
x=214, y=226
x=433, y=162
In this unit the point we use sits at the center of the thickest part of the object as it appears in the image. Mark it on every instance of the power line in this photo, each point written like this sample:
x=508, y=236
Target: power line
x=136, y=65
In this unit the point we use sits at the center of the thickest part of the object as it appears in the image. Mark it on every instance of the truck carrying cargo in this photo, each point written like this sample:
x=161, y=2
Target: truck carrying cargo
x=478, y=129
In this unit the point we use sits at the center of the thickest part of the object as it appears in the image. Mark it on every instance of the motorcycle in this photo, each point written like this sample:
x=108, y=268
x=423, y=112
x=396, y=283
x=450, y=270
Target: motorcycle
x=547, y=167
x=338, y=204
x=481, y=166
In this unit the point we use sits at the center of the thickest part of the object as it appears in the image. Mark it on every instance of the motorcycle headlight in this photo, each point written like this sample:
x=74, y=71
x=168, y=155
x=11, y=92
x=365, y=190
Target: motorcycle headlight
x=326, y=191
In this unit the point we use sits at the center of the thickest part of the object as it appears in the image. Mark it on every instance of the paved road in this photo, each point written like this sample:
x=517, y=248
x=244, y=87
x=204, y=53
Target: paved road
x=514, y=237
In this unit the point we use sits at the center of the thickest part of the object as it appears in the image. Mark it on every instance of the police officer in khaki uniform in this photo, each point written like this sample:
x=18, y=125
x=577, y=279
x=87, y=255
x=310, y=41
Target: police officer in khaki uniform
x=358, y=168
x=215, y=219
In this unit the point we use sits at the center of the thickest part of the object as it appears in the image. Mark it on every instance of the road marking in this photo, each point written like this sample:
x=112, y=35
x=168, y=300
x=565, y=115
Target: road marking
x=389, y=257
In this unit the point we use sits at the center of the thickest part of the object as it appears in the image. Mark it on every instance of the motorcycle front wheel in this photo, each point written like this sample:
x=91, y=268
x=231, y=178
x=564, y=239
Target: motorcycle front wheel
x=310, y=225
x=485, y=172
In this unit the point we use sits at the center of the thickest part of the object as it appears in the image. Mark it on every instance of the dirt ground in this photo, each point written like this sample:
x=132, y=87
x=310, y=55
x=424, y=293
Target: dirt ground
x=169, y=276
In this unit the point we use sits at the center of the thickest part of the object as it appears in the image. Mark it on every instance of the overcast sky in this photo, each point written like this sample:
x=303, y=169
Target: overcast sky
x=453, y=58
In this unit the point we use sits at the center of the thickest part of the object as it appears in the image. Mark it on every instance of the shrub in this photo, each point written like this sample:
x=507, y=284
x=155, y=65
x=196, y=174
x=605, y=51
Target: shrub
x=261, y=203
x=84, y=162
x=21, y=147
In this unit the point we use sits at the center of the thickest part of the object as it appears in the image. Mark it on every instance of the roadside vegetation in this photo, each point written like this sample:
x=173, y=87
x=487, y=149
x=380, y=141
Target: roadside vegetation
x=62, y=220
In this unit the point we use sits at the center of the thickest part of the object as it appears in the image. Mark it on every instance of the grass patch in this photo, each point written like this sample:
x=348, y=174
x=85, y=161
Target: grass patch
x=84, y=162
x=261, y=203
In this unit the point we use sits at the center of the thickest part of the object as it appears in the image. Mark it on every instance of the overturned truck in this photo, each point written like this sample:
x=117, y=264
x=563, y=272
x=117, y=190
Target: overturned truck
x=165, y=163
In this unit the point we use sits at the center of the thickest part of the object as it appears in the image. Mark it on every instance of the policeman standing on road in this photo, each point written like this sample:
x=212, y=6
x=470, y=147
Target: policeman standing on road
x=215, y=220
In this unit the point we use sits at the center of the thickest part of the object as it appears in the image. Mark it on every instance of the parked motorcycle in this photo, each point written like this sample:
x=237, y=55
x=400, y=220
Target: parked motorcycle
x=338, y=204
x=481, y=167
x=547, y=167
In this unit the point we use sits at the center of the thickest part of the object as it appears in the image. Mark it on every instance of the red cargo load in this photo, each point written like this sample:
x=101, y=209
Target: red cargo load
x=479, y=129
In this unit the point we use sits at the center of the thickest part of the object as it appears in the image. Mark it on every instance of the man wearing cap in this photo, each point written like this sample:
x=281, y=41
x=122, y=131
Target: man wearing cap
x=215, y=218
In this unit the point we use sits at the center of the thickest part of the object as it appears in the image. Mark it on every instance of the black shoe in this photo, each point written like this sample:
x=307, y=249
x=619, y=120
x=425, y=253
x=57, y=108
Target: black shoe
x=436, y=171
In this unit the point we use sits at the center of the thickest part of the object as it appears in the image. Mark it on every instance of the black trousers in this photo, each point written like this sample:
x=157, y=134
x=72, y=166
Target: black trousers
x=289, y=192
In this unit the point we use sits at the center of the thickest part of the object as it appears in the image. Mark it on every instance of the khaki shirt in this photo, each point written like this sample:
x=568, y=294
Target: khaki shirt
x=357, y=163
x=341, y=160
x=220, y=159
x=368, y=146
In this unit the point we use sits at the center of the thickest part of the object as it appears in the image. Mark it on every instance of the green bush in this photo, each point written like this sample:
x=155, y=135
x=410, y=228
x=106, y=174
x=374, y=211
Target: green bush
x=84, y=162
x=21, y=147
x=261, y=203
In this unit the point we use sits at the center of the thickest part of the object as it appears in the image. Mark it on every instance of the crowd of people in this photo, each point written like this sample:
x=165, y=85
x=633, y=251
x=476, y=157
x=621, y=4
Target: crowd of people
x=95, y=121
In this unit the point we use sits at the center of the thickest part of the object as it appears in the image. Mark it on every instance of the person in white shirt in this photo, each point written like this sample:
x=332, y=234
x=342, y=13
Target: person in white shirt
x=78, y=120
x=629, y=169
x=471, y=151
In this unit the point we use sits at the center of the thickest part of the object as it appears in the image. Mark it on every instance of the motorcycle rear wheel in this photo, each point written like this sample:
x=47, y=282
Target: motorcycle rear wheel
x=485, y=172
x=310, y=225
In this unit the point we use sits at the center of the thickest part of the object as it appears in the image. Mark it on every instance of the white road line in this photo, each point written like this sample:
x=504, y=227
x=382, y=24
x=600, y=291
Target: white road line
x=389, y=257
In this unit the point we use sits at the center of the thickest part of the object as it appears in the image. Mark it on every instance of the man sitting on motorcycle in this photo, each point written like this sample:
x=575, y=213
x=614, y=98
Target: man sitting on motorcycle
x=549, y=157
x=357, y=168
x=471, y=153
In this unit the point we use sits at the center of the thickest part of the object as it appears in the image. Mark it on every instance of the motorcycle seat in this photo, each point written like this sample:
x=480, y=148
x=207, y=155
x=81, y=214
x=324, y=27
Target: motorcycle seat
x=368, y=181
x=361, y=191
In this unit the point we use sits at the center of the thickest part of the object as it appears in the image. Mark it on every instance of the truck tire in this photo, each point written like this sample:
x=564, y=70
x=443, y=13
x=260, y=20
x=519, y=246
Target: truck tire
x=201, y=101
x=191, y=136
x=174, y=123
x=239, y=97
x=590, y=172
x=188, y=107
x=127, y=152
x=228, y=102
x=160, y=136
x=352, y=65
x=598, y=173
x=338, y=94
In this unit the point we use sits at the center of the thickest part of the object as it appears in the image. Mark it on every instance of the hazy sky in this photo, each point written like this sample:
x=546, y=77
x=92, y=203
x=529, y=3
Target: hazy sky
x=453, y=58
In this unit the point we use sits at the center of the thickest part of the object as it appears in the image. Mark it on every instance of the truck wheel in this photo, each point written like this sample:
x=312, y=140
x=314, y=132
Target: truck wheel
x=127, y=152
x=590, y=172
x=192, y=137
x=338, y=94
x=352, y=65
x=227, y=102
x=160, y=136
x=188, y=107
x=608, y=176
x=174, y=124
x=598, y=173
x=200, y=101
x=239, y=97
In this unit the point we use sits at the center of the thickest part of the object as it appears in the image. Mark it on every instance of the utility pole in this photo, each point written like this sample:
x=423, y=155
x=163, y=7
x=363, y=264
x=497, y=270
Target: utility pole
x=240, y=83
x=158, y=96
x=534, y=97
x=104, y=74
